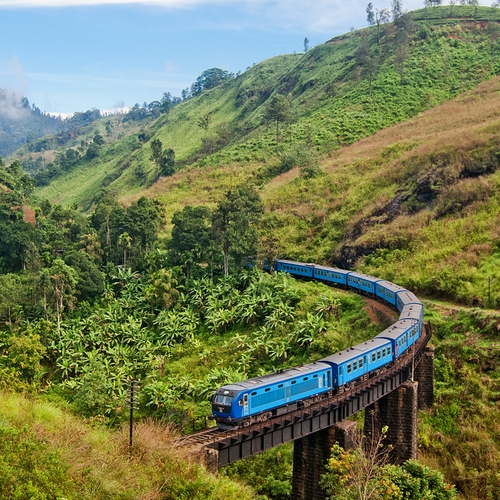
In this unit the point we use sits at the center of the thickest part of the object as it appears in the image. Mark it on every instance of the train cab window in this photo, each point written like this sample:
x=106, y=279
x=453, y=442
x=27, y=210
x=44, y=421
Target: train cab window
x=220, y=399
x=349, y=368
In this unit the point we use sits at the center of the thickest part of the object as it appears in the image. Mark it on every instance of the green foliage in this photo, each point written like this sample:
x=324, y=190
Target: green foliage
x=362, y=474
x=234, y=223
x=269, y=473
x=29, y=469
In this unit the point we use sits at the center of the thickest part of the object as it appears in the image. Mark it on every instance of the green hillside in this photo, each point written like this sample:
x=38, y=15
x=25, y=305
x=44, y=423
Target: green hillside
x=340, y=91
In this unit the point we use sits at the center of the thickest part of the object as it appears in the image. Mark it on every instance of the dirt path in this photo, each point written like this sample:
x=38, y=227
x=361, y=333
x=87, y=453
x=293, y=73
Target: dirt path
x=379, y=313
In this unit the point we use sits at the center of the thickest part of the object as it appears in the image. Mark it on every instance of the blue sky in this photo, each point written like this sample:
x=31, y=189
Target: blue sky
x=73, y=55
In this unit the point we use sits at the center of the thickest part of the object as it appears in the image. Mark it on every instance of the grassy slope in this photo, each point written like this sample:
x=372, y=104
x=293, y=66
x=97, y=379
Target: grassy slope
x=48, y=453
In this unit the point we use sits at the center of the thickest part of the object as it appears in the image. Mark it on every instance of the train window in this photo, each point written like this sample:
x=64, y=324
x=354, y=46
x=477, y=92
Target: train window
x=315, y=376
x=305, y=378
x=280, y=386
x=374, y=356
x=378, y=354
x=361, y=363
x=355, y=365
x=223, y=400
x=383, y=352
x=341, y=371
x=349, y=368
x=388, y=350
x=294, y=382
x=267, y=389
x=253, y=394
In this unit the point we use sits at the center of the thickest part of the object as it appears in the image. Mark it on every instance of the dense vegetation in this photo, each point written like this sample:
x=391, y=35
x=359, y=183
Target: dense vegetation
x=283, y=160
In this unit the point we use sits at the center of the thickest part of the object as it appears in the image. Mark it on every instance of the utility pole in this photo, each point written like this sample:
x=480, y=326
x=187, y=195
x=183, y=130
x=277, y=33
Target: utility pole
x=133, y=401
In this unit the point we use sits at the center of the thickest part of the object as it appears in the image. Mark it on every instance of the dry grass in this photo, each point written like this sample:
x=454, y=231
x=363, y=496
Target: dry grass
x=103, y=467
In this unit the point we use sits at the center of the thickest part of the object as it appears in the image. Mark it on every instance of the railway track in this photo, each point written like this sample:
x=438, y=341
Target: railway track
x=213, y=435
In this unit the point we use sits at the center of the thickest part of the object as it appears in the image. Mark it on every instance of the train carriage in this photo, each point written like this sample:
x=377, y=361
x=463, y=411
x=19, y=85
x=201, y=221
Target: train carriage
x=362, y=282
x=299, y=269
x=331, y=275
x=402, y=334
x=261, y=397
x=389, y=292
x=353, y=363
x=413, y=312
x=404, y=298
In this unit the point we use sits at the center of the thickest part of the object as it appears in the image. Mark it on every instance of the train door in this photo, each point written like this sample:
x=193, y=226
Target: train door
x=245, y=405
x=288, y=393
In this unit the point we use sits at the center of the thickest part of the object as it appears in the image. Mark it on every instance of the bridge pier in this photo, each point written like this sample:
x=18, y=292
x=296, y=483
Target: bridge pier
x=399, y=412
x=424, y=375
x=311, y=453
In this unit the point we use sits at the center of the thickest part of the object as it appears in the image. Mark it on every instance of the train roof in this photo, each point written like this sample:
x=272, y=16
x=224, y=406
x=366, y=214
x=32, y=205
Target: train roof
x=407, y=297
x=279, y=376
x=332, y=269
x=356, y=351
x=396, y=330
x=391, y=286
x=366, y=277
x=411, y=311
x=295, y=263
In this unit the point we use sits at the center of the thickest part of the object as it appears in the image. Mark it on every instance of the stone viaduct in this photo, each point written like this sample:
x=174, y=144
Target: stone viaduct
x=391, y=399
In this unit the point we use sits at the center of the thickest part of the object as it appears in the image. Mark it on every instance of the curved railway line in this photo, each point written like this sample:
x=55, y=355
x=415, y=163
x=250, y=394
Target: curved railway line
x=307, y=420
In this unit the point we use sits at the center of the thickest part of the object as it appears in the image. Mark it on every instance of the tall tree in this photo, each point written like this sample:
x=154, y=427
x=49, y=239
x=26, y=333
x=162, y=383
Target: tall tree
x=306, y=44
x=164, y=159
x=191, y=236
x=64, y=280
x=370, y=14
x=278, y=111
x=235, y=223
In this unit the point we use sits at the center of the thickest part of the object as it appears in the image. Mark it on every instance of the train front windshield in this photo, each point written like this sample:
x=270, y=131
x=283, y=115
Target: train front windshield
x=220, y=399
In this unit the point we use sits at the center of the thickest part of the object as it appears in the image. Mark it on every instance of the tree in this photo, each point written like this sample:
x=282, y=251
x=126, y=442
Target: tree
x=396, y=9
x=163, y=159
x=64, y=280
x=306, y=44
x=278, y=111
x=370, y=15
x=125, y=242
x=363, y=473
x=209, y=79
x=191, y=236
x=234, y=223
x=204, y=121
x=270, y=245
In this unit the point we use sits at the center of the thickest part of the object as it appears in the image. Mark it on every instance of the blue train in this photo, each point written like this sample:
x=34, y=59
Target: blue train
x=257, y=399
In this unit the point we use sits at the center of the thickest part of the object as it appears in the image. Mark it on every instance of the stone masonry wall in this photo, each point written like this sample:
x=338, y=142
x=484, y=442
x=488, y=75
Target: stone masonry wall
x=310, y=455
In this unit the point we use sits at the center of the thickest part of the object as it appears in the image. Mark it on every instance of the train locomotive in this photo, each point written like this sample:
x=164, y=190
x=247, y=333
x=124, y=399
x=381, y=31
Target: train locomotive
x=260, y=398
